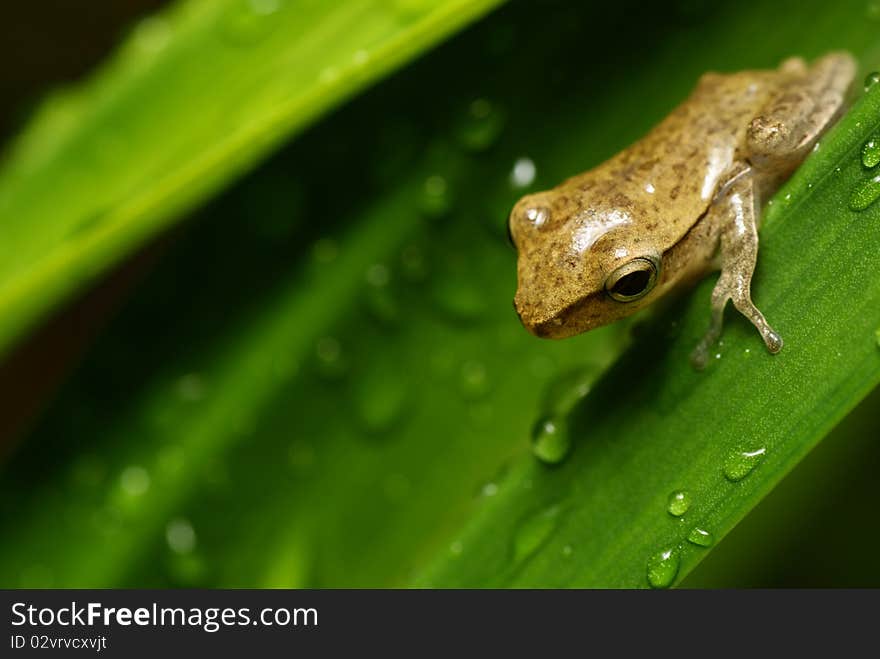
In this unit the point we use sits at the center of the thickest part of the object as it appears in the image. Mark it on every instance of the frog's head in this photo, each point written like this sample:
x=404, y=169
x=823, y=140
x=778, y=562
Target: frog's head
x=581, y=263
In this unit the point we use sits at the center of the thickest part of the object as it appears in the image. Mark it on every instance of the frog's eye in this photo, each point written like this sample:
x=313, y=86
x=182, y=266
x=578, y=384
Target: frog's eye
x=632, y=280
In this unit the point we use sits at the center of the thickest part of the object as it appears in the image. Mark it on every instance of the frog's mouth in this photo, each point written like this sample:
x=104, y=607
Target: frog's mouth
x=570, y=321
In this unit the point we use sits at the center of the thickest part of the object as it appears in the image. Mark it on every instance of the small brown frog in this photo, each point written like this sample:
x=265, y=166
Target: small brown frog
x=682, y=201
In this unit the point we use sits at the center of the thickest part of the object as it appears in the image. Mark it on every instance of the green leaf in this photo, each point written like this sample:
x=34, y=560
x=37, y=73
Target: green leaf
x=323, y=383
x=195, y=96
x=667, y=460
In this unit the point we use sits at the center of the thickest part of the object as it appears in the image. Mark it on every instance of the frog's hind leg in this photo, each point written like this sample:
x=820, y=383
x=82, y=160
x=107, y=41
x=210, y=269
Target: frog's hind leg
x=810, y=100
x=739, y=254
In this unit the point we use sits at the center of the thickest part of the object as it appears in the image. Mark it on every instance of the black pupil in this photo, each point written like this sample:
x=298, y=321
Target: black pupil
x=632, y=284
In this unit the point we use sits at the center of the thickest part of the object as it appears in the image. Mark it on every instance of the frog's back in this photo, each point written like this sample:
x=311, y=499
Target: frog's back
x=666, y=180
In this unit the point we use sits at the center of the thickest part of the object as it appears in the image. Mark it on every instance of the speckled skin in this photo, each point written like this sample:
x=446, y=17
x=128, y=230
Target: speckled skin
x=691, y=185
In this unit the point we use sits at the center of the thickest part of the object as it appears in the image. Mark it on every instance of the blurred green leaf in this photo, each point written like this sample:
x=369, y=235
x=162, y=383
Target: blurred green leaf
x=323, y=381
x=194, y=97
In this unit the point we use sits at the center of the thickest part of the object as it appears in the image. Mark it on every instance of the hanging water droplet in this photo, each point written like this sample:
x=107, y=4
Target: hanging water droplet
x=523, y=173
x=739, y=463
x=247, y=22
x=866, y=194
x=551, y=442
x=871, y=152
x=679, y=502
x=180, y=536
x=474, y=380
x=663, y=568
x=134, y=480
x=481, y=126
x=700, y=537
x=871, y=79
x=532, y=532
x=436, y=197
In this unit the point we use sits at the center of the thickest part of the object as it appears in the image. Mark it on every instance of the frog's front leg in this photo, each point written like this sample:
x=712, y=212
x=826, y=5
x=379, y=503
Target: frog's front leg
x=737, y=211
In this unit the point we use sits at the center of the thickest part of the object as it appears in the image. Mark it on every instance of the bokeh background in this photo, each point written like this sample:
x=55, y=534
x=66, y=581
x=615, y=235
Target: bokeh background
x=184, y=423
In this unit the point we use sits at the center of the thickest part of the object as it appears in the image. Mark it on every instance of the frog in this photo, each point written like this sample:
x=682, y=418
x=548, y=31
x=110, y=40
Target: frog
x=679, y=203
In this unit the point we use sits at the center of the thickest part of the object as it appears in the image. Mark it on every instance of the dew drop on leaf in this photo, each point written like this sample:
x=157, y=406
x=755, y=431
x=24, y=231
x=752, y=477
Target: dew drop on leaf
x=871, y=152
x=700, y=537
x=663, y=568
x=872, y=79
x=550, y=439
x=679, y=502
x=739, y=463
x=866, y=194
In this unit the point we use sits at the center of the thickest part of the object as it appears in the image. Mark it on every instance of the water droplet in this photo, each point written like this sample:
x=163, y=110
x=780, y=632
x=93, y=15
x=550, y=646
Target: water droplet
x=474, y=380
x=134, y=480
x=458, y=296
x=534, y=531
x=436, y=197
x=567, y=550
x=871, y=80
x=481, y=126
x=679, y=502
x=866, y=194
x=551, y=442
x=739, y=463
x=700, y=537
x=191, y=387
x=456, y=548
x=523, y=173
x=663, y=568
x=180, y=536
x=871, y=152
x=246, y=22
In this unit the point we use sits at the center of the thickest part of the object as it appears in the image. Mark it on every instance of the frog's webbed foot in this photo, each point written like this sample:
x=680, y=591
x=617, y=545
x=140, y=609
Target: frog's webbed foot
x=739, y=254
